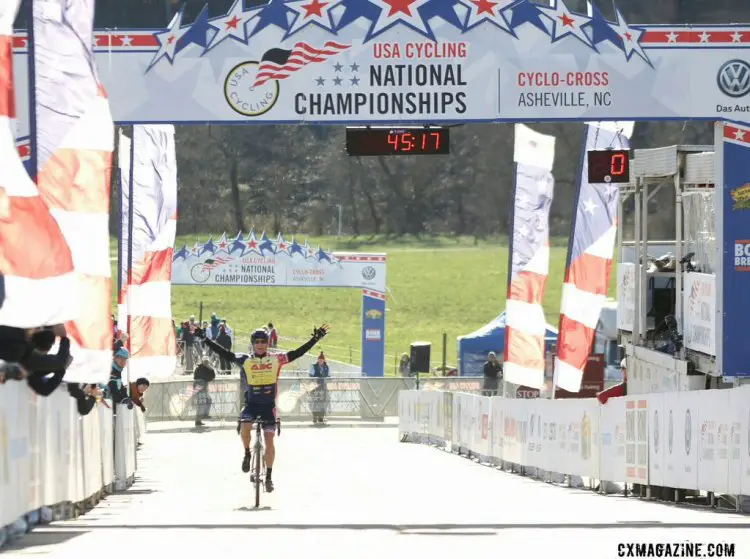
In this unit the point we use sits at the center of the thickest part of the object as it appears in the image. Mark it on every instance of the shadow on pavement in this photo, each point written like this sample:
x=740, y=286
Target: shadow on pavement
x=43, y=536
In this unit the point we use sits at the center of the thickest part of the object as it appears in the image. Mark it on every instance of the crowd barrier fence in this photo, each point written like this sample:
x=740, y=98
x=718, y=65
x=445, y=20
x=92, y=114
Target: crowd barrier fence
x=693, y=440
x=369, y=398
x=52, y=457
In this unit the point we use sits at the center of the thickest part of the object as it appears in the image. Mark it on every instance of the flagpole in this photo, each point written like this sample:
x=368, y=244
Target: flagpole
x=128, y=294
x=33, y=159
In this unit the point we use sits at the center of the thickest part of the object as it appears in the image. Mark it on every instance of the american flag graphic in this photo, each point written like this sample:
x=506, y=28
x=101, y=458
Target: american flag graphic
x=74, y=142
x=277, y=64
x=589, y=259
x=212, y=263
x=525, y=329
x=34, y=256
x=147, y=292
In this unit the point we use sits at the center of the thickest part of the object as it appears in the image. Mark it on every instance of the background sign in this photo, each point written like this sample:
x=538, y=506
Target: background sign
x=373, y=333
x=366, y=61
x=261, y=261
x=699, y=316
x=735, y=239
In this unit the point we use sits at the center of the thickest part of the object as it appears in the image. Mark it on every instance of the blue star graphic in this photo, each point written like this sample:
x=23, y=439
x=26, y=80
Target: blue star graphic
x=354, y=80
x=337, y=81
x=208, y=247
x=323, y=256
x=337, y=67
x=266, y=244
x=320, y=81
x=525, y=11
x=198, y=32
x=354, y=67
x=182, y=253
x=443, y=9
x=296, y=247
x=274, y=13
x=355, y=9
x=601, y=29
x=237, y=243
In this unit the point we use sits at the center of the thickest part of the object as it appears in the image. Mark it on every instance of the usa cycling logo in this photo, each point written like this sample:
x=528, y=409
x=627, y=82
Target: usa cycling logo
x=733, y=78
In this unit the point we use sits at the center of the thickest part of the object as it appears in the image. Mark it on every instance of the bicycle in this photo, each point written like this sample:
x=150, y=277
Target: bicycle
x=258, y=457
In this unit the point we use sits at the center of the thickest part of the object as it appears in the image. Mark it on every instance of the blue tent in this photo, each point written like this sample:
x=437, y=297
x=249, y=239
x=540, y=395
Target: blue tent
x=473, y=348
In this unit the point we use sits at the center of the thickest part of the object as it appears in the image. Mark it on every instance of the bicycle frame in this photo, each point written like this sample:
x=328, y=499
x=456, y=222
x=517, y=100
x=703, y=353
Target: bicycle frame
x=258, y=457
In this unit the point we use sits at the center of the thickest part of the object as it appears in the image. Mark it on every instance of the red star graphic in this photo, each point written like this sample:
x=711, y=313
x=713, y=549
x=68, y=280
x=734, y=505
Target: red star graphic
x=282, y=246
x=170, y=40
x=222, y=245
x=628, y=36
x=567, y=21
x=252, y=244
x=485, y=7
x=232, y=23
x=314, y=8
x=402, y=6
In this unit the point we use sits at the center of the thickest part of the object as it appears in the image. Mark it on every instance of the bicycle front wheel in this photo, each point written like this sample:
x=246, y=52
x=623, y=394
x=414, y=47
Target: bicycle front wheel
x=257, y=476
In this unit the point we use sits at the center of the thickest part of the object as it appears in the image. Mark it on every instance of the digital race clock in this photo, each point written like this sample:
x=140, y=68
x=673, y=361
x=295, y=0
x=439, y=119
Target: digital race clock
x=609, y=166
x=397, y=141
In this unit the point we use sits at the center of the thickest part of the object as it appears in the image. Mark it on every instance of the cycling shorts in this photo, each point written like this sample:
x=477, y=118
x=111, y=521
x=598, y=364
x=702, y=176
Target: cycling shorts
x=267, y=413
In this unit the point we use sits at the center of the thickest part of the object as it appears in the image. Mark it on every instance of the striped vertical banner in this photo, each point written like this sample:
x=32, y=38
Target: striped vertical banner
x=148, y=243
x=74, y=143
x=587, y=273
x=534, y=156
x=34, y=255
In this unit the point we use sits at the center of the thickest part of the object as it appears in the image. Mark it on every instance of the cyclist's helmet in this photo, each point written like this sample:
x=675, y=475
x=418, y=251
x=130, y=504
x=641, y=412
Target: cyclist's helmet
x=259, y=334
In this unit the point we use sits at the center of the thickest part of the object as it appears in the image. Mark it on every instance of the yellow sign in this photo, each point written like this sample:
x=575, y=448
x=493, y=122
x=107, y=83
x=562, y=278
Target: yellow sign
x=741, y=197
x=373, y=314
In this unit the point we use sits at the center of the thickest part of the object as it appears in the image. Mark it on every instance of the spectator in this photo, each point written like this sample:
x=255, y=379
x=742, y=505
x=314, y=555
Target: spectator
x=224, y=341
x=273, y=336
x=618, y=389
x=40, y=382
x=187, y=342
x=403, y=365
x=86, y=396
x=203, y=375
x=209, y=332
x=214, y=327
x=229, y=331
x=493, y=374
x=192, y=324
x=10, y=371
x=115, y=388
x=137, y=390
x=17, y=346
x=319, y=395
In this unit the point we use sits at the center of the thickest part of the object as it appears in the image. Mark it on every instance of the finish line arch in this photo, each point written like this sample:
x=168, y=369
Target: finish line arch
x=259, y=261
x=370, y=62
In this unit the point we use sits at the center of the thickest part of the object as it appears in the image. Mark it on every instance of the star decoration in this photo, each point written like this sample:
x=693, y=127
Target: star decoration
x=355, y=9
x=195, y=251
x=589, y=206
x=266, y=244
x=182, y=253
x=320, y=81
x=296, y=248
x=739, y=135
x=337, y=67
x=354, y=67
x=276, y=13
x=671, y=37
x=354, y=80
x=281, y=245
x=630, y=37
x=337, y=81
x=168, y=40
x=525, y=11
x=237, y=244
x=311, y=12
x=565, y=22
x=405, y=12
x=445, y=10
x=736, y=37
x=223, y=244
x=251, y=244
x=231, y=26
x=487, y=10
x=323, y=256
x=197, y=33
x=208, y=247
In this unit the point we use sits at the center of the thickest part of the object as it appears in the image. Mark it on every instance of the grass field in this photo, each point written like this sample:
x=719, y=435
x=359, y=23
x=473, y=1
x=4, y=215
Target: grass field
x=434, y=286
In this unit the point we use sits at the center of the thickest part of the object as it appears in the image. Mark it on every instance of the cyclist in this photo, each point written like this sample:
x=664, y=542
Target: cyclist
x=259, y=373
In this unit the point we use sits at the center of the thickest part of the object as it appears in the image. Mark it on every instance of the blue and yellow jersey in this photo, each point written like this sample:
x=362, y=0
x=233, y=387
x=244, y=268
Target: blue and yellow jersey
x=259, y=377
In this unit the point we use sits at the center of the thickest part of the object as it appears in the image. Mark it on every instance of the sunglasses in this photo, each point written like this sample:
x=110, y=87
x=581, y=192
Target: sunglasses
x=260, y=342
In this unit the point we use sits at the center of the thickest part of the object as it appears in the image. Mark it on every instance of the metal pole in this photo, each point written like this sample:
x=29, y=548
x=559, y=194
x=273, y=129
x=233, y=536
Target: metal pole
x=445, y=349
x=341, y=208
x=200, y=313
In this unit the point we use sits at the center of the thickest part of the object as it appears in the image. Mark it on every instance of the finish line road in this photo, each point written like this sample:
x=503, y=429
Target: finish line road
x=359, y=494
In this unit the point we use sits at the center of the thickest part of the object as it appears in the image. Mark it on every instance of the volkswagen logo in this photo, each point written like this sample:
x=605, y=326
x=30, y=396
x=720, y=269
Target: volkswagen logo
x=733, y=78
x=688, y=432
x=368, y=273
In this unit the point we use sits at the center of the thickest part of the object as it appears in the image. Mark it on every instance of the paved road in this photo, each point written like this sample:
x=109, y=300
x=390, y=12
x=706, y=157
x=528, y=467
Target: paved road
x=358, y=493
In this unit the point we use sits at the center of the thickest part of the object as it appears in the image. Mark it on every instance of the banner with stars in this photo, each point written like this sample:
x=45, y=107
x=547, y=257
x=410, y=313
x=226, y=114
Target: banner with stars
x=418, y=61
x=258, y=260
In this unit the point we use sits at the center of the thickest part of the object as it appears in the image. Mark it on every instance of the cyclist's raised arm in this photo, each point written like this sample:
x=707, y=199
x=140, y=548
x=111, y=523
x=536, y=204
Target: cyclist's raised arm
x=221, y=350
x=317, y=335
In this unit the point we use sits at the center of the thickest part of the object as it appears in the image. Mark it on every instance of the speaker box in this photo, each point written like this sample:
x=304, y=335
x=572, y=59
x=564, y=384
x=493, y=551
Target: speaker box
x=419, y=360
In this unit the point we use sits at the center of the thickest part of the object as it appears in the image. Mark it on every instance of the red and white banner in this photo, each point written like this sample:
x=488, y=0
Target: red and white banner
x=34, y=255
x=147, y=249
x=534, y=156
x=74, y=142
x=589, y=258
